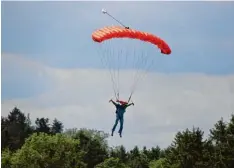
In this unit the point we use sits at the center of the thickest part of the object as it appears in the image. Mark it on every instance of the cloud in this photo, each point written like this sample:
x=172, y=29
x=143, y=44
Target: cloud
x=59, y=34
x=29, y=75
x=164, y=103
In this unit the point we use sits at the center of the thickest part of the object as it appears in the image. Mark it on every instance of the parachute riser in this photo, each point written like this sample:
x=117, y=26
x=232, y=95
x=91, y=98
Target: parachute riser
x=129, y=98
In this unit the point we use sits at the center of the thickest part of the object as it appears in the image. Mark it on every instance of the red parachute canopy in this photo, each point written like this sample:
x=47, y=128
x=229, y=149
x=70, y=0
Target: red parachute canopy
x=121, y=32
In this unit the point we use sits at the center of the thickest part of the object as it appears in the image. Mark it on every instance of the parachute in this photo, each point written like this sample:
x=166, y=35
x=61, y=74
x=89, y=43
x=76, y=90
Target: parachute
x=107, y=33
x=117, y=55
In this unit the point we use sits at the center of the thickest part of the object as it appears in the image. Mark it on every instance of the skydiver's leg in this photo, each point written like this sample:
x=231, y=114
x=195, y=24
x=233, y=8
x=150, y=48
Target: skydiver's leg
x=121, y=126
x=116, y=123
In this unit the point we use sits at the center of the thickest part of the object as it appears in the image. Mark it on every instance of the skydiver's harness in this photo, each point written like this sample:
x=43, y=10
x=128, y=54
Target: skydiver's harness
x=118, y=113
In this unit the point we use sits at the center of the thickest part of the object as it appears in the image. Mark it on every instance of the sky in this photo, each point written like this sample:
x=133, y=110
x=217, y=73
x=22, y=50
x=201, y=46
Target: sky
x=52, y=68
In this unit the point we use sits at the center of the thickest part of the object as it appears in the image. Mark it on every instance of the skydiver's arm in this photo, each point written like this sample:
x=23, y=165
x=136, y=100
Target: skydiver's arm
x=113, y=102
x=130, y=104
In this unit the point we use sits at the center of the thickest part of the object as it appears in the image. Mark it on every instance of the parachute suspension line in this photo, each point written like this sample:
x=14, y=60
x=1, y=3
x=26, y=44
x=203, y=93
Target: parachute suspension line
x=118, y=73
x=105, y=53
x=139, y=63
x=115, y=70
x=145, y=60
x=126, y=59
x=136, y=62
x=145, y=72
x=110, y=55
x=135, y=66
x=111, y=59
x=129, y=98
x=105, y=12
x=142, y=63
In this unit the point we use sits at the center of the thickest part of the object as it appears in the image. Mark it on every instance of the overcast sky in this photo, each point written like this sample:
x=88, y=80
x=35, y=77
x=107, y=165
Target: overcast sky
x=51, y=67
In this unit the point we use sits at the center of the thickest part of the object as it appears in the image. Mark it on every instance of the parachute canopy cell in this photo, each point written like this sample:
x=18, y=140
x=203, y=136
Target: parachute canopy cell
x=110, y=32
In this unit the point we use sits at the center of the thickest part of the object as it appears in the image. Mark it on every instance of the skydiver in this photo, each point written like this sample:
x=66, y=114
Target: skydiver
x=120, y=110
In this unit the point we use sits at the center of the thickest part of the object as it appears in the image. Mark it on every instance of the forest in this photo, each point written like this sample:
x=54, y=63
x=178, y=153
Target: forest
x=38, y=144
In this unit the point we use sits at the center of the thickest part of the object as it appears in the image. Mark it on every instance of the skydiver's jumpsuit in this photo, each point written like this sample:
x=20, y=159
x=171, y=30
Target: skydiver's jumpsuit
x=120, y=110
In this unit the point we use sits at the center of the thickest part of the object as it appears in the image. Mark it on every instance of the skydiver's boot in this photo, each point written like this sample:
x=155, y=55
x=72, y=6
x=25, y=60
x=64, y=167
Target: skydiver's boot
x=120, y=134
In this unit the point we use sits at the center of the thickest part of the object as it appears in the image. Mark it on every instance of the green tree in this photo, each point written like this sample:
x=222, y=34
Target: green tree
x=222, y=136
x=137, y=159
x=57, y=127
x=187, y=149
x=145, y=151
x=154, y=153
x=162, y=163
x=42, y=125
x=4, y=132
x=111, y=163
x=93, y=142
x=43, y=150
x=230, y=140
x=6, y=158
x=135, y=152
x=120, y=153
x=15, y=128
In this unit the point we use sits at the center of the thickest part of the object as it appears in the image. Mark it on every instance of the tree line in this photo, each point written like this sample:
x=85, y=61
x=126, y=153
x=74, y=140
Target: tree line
x=44, y=145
